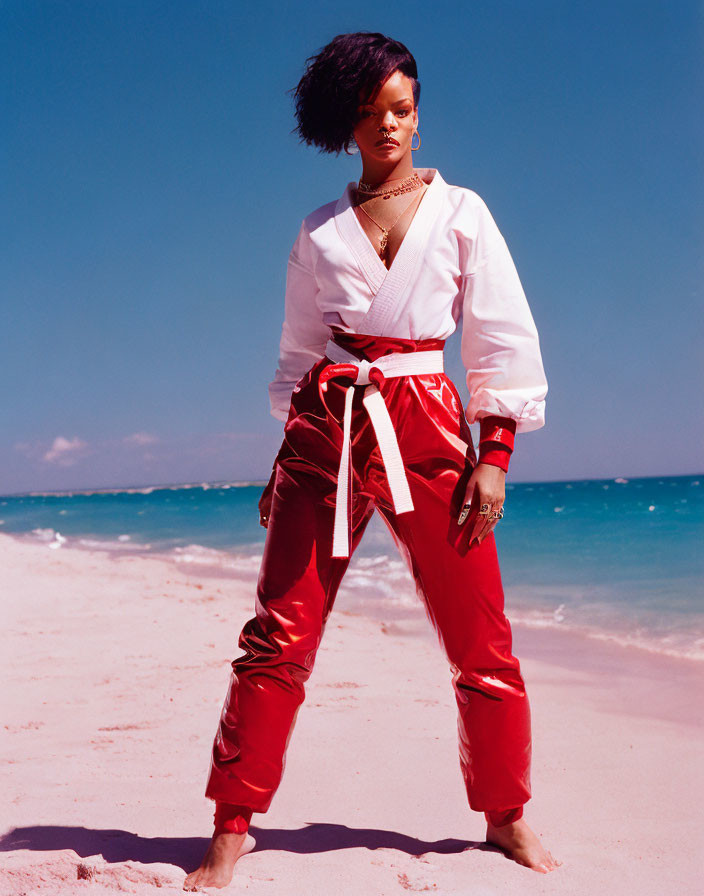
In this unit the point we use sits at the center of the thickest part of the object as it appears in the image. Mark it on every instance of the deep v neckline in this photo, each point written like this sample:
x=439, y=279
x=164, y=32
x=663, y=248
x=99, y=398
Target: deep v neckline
x=388, y=269
x=350, y=228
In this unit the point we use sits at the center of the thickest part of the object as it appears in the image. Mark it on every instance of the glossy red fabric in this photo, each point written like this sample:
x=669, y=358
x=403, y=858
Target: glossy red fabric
x=231, y=819
x=460, y=587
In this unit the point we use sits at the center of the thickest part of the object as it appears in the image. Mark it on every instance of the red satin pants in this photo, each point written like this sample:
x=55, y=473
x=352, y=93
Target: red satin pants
x=460, y=587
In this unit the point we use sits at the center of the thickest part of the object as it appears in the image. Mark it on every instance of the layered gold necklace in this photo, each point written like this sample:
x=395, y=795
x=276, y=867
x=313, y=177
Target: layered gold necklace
x=407, y=185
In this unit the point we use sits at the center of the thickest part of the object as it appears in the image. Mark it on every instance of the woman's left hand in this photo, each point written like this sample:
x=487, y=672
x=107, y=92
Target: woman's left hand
x=487, y=485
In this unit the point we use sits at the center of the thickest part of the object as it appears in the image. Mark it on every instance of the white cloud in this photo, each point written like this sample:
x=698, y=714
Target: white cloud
x=65, y=452
x=141, y=438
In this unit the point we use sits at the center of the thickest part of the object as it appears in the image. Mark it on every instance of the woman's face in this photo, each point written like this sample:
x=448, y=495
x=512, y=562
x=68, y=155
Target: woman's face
x=391, y=109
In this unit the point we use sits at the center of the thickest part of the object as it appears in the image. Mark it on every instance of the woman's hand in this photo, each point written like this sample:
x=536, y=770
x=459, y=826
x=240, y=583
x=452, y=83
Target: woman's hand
x=487, y=485
x=265, y=501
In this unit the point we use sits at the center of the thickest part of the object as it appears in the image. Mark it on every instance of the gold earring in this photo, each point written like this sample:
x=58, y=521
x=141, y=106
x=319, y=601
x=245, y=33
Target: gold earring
x=412, y=146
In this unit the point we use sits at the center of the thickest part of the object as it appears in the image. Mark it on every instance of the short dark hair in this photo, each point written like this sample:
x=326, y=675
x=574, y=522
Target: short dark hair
x=328, y=95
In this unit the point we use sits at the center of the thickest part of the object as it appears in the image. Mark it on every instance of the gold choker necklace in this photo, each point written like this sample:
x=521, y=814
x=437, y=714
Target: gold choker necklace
x=407, y=184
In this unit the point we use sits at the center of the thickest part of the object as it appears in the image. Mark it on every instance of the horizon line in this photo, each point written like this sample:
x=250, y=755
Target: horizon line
x=244, y=483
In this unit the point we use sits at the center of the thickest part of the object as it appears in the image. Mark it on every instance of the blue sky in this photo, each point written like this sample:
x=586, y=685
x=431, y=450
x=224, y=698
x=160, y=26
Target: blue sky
x=151, y=189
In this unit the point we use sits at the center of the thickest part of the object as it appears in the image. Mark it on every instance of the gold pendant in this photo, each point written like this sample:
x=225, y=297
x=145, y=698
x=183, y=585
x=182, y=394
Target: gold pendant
x=384, y=241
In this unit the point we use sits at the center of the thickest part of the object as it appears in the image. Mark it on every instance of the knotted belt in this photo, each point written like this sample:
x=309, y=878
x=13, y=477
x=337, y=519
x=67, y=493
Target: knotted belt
x=372, y=374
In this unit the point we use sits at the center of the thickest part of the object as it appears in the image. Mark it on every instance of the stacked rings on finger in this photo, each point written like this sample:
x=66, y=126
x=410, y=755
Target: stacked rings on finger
x=484, y=511
x=492, y=515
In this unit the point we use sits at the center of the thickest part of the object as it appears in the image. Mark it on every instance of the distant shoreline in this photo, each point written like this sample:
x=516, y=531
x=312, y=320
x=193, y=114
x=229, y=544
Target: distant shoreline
x=260, y=483
x=532, y=627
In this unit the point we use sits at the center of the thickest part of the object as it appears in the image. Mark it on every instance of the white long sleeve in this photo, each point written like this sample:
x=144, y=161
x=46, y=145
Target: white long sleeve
x=500, y=347
x=303, y=334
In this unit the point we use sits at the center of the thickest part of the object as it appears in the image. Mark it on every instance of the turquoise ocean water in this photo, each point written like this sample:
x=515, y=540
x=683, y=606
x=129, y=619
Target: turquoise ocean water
x=620, y=559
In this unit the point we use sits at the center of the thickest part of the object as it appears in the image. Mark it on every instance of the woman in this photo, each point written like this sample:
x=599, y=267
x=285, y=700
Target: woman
x=376, y=281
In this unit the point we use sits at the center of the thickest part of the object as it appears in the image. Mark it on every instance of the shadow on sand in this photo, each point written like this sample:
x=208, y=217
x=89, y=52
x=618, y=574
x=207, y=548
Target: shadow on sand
x=187, y=852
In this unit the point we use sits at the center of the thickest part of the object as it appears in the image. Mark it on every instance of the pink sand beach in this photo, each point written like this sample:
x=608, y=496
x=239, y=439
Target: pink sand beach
x=115, y=668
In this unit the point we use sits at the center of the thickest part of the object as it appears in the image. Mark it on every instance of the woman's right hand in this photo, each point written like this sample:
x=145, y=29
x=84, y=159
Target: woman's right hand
x=265, y=501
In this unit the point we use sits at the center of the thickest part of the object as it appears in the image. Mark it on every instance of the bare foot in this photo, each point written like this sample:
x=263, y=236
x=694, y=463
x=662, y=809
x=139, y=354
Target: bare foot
x=218, y=863
x=522, y=845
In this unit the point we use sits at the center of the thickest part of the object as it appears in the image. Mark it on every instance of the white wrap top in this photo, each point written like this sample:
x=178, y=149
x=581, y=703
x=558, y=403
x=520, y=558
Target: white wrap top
x=452, y=269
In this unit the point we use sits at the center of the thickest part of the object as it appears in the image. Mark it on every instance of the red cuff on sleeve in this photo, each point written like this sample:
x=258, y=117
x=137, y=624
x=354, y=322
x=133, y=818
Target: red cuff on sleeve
x=497, y=429
x=496, y=440
x=497, y=457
